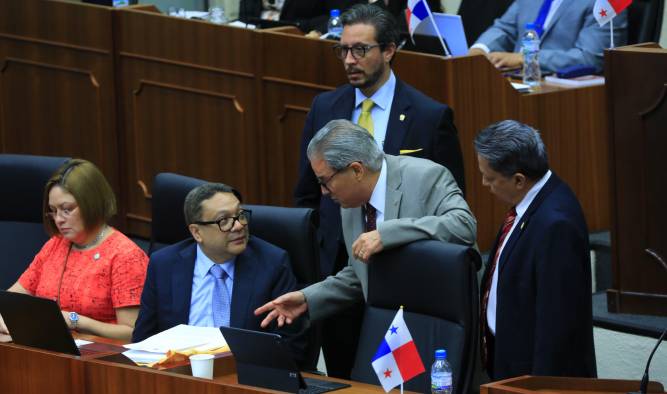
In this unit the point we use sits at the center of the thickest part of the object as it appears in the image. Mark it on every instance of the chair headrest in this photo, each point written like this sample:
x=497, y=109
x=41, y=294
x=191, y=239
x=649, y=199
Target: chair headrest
x=169, y=191
x=427, y=274
x=24, y=177
x=292, y=229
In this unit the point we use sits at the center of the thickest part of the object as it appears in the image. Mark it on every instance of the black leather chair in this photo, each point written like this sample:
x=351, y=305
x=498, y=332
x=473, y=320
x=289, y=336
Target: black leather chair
x=644, y=21
x=168, y=223
x=293, y=229
x=22, y=234
x=436, y=282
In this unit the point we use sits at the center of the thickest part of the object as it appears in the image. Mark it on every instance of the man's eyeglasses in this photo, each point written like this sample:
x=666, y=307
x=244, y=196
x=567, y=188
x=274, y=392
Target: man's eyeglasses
x=64, y=212
x=324, y=183
x=226, y=224
x=358, y=51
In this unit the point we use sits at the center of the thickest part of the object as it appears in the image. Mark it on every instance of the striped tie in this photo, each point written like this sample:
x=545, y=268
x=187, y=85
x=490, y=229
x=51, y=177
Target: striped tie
x=365, y=119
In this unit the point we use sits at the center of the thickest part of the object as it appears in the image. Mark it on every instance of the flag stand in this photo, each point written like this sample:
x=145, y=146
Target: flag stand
x=611, y=32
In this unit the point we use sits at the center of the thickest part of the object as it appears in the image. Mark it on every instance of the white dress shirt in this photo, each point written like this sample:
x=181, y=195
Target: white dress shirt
x=521, y=209
x=379, y=195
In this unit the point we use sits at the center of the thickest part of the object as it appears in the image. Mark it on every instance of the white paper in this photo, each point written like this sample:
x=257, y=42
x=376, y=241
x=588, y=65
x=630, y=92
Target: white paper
x=522, y=87
x=179, y=338
x=143, y=357
x=81, y=342
x=196, y=14
x=241, y=24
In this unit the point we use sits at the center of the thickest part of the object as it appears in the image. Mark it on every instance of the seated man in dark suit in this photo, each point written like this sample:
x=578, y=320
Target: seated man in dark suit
x=536, y=303
x=217, y=278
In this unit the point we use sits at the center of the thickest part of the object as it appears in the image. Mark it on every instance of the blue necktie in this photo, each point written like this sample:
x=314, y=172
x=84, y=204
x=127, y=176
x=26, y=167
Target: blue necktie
x=542, y=16
x=221, y=301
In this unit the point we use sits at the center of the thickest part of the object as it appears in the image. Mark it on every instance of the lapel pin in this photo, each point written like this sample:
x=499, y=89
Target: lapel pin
x=402, y=117
x=522, y=225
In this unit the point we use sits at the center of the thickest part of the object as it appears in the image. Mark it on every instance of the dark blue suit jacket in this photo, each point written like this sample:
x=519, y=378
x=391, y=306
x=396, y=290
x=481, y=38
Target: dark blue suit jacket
x=544, y=306
x=262, y=273
x=426, y=124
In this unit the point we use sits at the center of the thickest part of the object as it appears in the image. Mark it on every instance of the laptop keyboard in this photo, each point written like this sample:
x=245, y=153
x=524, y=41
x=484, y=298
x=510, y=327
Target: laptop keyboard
x=314, y=386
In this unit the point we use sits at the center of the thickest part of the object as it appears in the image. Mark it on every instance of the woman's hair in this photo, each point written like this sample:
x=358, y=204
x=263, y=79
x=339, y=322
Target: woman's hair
x=93, y=194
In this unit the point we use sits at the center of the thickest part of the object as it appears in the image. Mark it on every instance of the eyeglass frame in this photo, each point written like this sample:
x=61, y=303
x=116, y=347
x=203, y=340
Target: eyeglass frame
x=324, y=183
x=244, y=212
x=346, y=50
x=65, y=213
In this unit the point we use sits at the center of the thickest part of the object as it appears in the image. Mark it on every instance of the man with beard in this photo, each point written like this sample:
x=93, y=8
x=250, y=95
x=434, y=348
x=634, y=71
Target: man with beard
x=402, y=120
x=218, y=277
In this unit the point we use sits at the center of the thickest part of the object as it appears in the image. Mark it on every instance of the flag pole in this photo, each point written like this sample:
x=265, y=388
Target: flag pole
x=430, y=15
x=401, y=388
x=611, y=32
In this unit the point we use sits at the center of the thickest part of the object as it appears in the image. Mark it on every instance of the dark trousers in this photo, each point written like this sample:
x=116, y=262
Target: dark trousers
x=340, y=333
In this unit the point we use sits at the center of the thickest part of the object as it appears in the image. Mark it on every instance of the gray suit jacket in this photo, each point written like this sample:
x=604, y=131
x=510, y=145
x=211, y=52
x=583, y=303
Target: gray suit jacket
x=572, y=37
x=422, y=202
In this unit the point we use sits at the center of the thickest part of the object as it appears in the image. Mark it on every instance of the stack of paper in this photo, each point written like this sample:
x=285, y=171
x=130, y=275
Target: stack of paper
x=182, y=338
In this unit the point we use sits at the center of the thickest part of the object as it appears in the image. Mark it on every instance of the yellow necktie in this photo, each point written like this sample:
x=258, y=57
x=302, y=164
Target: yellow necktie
x=365, y=119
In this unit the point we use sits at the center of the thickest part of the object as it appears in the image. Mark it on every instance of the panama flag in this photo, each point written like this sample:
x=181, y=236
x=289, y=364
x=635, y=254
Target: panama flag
x=397, y=360
x=606, y=10
x=416, y=12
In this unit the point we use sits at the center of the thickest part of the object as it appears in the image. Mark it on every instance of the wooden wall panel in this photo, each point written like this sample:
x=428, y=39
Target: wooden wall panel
x=637, y=115
x=57, y=82
x=229, y=104
x=189, y=105
x=285, y=109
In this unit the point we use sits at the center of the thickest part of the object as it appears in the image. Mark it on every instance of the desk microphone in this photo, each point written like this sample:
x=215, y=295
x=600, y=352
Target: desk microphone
x=644, y=383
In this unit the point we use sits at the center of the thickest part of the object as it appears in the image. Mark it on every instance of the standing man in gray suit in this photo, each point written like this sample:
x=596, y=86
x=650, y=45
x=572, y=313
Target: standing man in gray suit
x=386, y=201
x=568, y=32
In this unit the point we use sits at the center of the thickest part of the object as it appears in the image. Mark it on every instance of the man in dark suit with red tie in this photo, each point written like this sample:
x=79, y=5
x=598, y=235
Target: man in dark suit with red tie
x=536, y=312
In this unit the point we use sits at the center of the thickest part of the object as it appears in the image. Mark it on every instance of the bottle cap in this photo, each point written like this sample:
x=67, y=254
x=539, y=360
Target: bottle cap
x=531, y=26
x=335, y=12
x=440, y=354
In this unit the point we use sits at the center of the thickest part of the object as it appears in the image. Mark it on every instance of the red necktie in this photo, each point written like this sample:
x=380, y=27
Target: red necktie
x=371, y=215
x=486, y=335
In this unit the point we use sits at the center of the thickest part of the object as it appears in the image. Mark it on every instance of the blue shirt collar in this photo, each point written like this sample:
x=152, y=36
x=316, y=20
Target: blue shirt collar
x=203, y=264
x=382, y=97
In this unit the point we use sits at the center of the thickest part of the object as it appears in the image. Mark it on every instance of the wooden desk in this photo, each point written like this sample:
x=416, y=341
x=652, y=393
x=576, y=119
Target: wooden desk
x=564, y=385
x=100, y=370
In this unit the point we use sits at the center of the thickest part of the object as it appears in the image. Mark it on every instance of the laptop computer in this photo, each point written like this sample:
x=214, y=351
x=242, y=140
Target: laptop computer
x=262, y=360
x=36, y=322
x=451, y=28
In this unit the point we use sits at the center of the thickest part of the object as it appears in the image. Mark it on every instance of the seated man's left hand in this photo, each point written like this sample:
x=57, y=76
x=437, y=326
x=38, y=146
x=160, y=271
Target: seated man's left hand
x=506, y=59
x=367, y=245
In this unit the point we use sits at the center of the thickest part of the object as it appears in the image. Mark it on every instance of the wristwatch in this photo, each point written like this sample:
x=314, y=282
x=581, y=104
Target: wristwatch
x=74, y=319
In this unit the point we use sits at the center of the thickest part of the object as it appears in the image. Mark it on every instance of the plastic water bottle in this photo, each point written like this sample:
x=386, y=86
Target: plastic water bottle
x=441, y=374
x=530, y=48
x=335, y=26
x=217, y=15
